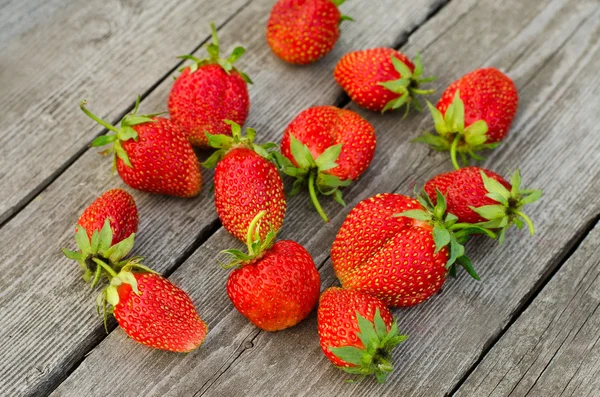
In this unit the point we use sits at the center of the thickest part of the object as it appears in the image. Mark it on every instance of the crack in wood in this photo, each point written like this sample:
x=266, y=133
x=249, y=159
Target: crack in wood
x=568, y=251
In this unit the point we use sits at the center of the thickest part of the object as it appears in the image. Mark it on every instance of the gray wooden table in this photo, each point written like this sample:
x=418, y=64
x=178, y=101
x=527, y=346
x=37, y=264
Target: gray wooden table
x=530, y=327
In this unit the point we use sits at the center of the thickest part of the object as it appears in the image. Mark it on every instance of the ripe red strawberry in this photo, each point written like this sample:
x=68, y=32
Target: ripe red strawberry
x=118, y=207
x=326, y=148
x=357, y=332
x=275, y=286
x=474, y=113
x=151, y=154
x=399, y=249
x=208, y=92
x=245, y=182
x=106, y=230
x=477, y=195
x=380, y=79
x=151, y=310
x=304, y=31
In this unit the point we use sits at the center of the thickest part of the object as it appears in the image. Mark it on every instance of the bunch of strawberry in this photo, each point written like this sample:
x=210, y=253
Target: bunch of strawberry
x=391, y=251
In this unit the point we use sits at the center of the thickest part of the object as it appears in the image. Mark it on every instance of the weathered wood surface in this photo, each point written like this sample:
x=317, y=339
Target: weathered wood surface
x=551, y=50
x=55, y=54
x=552, y=349
x=48, y=319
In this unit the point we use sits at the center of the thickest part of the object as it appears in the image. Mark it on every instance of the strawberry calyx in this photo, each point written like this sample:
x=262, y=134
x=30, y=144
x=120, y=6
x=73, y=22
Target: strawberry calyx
x=408, y=85
x=98, y=248
x=313, y=172
x=109, y=297
x=119, y=135
x=225, y=143
x=509, y=210
x=256, y=246
x=214, y=57
x=447, y=231
x=375, y=357
x=453, y=136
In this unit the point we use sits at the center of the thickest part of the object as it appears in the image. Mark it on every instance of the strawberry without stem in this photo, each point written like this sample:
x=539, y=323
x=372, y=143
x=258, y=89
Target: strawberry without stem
x=357, y=332
x=399, y=249
x=245, y=182
x=477, y=195
x=326, y=148
x=151, y=154
x=208, y=92
x=304, y=31
x=275, y=286
x=474, y=113
x=381, y=79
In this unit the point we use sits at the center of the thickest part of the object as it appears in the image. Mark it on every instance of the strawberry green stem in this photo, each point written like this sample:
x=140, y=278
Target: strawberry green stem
x=251, y=231
x=313, y=197
x=107, y=268
x=96, y=118
x=453, y=151
x=526, y=219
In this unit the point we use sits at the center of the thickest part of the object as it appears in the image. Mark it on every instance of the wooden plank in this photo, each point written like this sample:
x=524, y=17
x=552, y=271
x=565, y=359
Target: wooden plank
x=552, y=349
x=53, y=300
x=238, y=359
x=106, y=51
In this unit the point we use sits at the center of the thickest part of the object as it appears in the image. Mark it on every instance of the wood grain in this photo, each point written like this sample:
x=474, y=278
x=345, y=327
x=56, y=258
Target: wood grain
x=449, y=332
x=49, y=323
x=55, y=56
x=552, y=349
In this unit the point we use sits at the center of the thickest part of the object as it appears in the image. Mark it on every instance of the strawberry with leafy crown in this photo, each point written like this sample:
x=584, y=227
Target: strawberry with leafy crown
x=107, y=226
x=399, y=249
x=118, y=207
x=326, y=148
x=209, y=91
x=304, y=31
x=477, y=195
x=474, y=113
x=275, y=285
x=246, y=182
x=151, y=154
x=150, y=309
x=357, y=332
x=381, y=79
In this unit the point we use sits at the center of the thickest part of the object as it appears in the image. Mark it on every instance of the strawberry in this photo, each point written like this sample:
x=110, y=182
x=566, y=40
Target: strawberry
x=477, y=195
x=245, y=182
x=304, y=31
x=118, y=207
x=474, y=113
x=357, y=332
x=399, y=249
x=152, y=310
x=380, y=79
x=209, y=91
x=275, y=286
x=326, y=148
x=151, y=154
x=106, y=230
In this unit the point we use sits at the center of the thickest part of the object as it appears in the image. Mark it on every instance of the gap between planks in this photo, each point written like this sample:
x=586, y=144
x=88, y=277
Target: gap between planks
x=35, y=192
x=568, y=251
